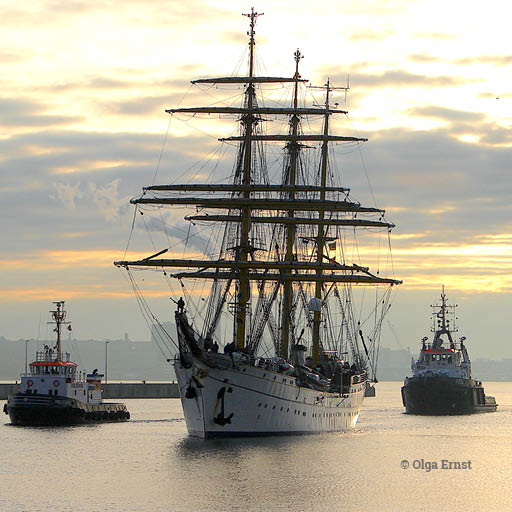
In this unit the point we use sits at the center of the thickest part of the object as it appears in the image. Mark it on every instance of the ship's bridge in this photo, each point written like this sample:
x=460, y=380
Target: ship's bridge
x=49, y=363
x=443, y=355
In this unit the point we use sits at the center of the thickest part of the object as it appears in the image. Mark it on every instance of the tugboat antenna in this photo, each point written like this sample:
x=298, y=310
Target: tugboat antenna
x=59, y=317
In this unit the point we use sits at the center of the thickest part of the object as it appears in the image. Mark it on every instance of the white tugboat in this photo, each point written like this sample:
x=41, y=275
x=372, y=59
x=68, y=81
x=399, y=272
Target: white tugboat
x=53, y=393
x=441, y=382
x=282, y=305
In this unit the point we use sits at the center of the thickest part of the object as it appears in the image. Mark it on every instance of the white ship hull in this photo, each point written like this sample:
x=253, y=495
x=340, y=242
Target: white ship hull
x=252, y=401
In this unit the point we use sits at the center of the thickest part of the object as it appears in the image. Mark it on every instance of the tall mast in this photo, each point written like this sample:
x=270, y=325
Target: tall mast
x=59, y=317
x=248, y=121
x=293, y=148
x=321, y=238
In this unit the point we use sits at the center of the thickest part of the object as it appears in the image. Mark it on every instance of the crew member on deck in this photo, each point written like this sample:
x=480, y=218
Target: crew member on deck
x=181, y=305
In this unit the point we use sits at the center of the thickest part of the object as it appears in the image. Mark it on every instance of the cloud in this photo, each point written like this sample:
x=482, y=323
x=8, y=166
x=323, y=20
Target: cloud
x=370, y=35
x=442, y=36
x=10, y=57
x=108, y=200
x=447, y=114
x=394, y=78
x=67, y=194
x=29, y=113
x=54, y=12
x=423, y=57
x=496, y=60
x=182, y=233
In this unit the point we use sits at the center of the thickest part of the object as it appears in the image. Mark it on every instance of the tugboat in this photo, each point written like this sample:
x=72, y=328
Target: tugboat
x=52, y=393
x=441, y=383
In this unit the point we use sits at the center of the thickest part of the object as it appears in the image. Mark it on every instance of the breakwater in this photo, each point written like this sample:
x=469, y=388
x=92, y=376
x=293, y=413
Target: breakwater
x=117, y=390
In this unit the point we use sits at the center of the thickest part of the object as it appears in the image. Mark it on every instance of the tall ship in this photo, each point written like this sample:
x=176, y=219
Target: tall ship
x=277, y=330
x=53, y=392
x=441, y=383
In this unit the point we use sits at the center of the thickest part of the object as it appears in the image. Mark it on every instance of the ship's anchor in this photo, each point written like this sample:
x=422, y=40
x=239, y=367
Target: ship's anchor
x=220, y=419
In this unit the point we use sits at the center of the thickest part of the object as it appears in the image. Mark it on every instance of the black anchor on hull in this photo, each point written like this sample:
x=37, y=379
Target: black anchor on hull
x=220, y=419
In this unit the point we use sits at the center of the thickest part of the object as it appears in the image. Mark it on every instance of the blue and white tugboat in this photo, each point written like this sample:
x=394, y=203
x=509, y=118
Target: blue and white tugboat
x=441, y=383
x=54, y=393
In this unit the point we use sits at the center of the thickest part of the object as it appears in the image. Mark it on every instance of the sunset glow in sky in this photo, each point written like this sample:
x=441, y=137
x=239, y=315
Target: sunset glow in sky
x=85, y=85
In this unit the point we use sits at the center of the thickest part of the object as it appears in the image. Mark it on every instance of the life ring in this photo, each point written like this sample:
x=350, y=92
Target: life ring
x=30, y=383
x=56, y=383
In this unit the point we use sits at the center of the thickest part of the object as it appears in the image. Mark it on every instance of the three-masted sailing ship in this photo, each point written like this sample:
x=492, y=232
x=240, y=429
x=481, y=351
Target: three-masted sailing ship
x=297, y=355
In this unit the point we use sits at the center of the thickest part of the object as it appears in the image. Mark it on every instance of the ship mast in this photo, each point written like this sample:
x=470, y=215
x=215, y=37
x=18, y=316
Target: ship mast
x=321, y=234
x=248, y=121
x=440, y=324
x=293, y=149
x=59, y=317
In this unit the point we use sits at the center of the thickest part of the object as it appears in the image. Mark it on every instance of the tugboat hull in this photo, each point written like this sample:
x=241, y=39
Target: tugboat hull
x=45, y=410
x=444, y=396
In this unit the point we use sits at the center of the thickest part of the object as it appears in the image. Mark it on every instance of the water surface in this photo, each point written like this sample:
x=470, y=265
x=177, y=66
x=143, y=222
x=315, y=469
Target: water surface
x=149, y=464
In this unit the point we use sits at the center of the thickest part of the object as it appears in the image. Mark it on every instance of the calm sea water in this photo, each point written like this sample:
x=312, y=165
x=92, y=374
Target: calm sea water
x=150, y=464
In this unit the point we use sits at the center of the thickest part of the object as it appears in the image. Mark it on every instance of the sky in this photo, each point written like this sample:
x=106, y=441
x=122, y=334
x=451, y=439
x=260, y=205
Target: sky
x=82, y=127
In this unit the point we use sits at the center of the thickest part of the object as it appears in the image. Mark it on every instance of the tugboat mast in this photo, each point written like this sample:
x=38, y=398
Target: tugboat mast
x=440, y=323
x=59, y=317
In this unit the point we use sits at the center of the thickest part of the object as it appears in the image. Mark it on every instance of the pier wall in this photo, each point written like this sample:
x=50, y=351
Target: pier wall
x=118, y=390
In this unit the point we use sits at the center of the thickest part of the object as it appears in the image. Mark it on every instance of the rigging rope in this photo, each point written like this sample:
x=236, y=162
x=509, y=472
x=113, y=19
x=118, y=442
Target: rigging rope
x=162, y=150
x=147, y=315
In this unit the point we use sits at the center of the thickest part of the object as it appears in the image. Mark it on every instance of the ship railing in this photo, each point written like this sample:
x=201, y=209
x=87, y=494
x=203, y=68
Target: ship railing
x=238, y=358
x=70, y=379
x=52, y=355
x=271, y=364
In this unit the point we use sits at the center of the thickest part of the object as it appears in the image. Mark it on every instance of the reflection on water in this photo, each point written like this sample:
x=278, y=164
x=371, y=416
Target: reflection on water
x=151, y=464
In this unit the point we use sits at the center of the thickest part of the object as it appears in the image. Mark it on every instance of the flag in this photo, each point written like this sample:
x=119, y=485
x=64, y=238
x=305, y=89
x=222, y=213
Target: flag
x=332, y=246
